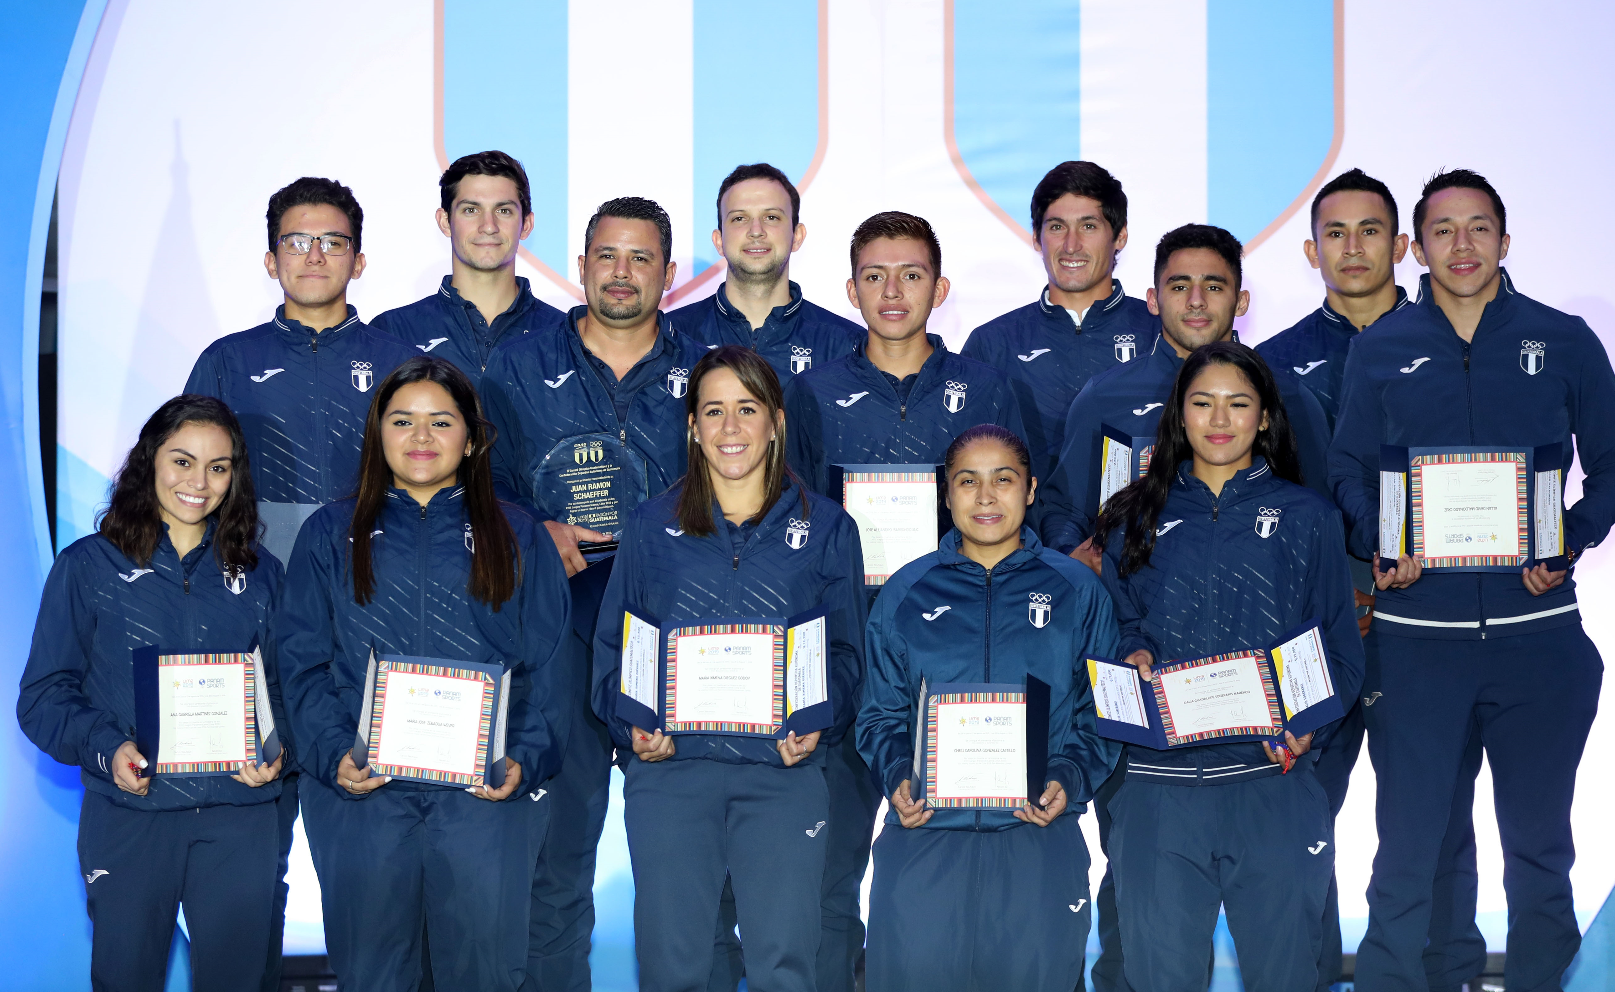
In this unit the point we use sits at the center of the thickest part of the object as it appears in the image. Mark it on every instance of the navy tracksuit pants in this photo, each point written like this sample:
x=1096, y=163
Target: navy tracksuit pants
x=286, y=819
x=398, y=862
x=1532, y=700
x=562, y=916
x=140, y=867
x=690, y=824
x=1262, y=850
x=979, y=911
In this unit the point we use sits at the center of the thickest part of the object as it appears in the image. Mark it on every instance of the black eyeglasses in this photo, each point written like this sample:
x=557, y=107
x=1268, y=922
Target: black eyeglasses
x=330, y=244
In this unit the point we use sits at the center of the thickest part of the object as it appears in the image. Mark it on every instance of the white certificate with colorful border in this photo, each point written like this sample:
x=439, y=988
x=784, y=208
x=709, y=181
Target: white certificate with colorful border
x=895, y=507
x=1471, y=509
x=725, y=677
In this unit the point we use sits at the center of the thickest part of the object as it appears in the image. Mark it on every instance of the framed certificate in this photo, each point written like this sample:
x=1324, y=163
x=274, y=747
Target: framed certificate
x=1472, y=509
x=901, y=511
x=982, y=745
x=1123, y=460
x=750, y=676
x=202, y=714
x=434, y=720
x=1251, y=694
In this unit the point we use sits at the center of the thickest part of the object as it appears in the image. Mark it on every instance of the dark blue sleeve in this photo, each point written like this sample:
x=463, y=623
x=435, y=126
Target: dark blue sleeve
x=207, y=376
x=273, y=574
x=805, y=438
x=846, y=601
x=624, y=587
x=1354, y=456
x=1066, y=522
x=1311, y=428
x=510, y=448
x=542, y=682
x=1329, y=597
x=1008, y=410
x=1126, y=599
x=1079, y=759
x=52, y=707
x=1592, y=419
x=886, y=711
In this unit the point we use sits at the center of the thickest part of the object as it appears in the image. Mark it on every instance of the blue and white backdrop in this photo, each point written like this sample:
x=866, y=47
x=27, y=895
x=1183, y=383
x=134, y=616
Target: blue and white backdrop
x=165, y=125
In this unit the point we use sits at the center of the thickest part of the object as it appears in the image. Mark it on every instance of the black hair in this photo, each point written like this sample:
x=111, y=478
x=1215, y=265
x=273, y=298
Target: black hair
x=1082, y=179
x=1200, y=236
x=759, y=379
x=489, y=163
x=310, y=191
x=761, y=170
x=896, y=224
x=132, y=520
x=495, y=558
x=1356, y=180
x=1137, y=508
x=1456, y=179
x=987, y=432
x=634, y=208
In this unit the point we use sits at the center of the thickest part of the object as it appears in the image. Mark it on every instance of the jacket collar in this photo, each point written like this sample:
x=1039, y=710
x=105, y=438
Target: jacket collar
x=1258, y=478
x=165, y=546
x=449, y=499
x=300, y=333
x=948, y=553
x=1341, y=324
x=524, y=297
x=1505, y=294
x=928, y=371
x=779, y=316
x=1100, y=307
x=660, y=356
x=1162, y=348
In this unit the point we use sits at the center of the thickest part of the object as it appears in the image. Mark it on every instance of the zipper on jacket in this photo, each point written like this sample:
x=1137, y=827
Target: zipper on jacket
x=622, y=436
x=902, y=411
x=987, y=636
x=737, y=561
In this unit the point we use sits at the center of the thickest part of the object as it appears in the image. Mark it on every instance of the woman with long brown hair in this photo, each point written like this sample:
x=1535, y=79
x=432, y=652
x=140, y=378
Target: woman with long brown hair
x=424, y=564
x=738, y=539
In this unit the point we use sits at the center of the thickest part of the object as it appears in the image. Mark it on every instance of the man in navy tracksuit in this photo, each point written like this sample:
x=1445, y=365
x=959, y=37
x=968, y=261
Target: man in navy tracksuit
x=757, y=305
x=901, y=399
x=1082, y=324
x=300, y=385
x=486, y=211
x=1474, y=362
x=595, y=406
x=1196, y=295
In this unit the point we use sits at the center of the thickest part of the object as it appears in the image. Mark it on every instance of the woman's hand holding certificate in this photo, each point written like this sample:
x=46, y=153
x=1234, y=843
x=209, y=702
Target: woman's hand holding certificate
x=793, y=748
x=513, y=778
x=358, y=781
x=1049, y=805
x=652, y=747
x=910, y=813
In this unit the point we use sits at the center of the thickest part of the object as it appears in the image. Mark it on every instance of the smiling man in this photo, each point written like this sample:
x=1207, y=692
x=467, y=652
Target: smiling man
x=757, y=306
x=486, y=210
x=300, y=386
x=1476, y=363
x=1082, y=323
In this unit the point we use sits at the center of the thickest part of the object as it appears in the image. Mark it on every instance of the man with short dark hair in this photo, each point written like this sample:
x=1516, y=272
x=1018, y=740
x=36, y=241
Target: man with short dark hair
x=757, y=306
x=1197, y=294
x=486, y=211
x=901, y=398
x=592, y=420
x=300, y=386
x=1082, y=324
x=1476, y=363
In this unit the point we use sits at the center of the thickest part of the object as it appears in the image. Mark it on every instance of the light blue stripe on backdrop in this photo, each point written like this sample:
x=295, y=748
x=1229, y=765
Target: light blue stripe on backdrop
x=1017, y=97
x=756, y=93
x=512, y=99
x=1269, y=107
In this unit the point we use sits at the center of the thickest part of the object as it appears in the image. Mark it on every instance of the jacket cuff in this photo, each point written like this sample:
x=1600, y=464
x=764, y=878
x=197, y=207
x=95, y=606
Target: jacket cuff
x=1065, y=772
x=102, y=749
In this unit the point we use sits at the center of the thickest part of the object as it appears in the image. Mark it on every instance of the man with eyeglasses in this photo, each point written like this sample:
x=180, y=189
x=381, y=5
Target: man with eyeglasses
x=301, y=386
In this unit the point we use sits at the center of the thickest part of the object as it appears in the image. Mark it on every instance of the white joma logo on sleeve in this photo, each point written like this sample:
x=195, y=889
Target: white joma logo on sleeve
x=1416, y=363
x=557, y=382
x=428, y=346
x=1035, y=352
x=268, y=374
x=1310, y=366
x=1146, y=408
x=855, y=397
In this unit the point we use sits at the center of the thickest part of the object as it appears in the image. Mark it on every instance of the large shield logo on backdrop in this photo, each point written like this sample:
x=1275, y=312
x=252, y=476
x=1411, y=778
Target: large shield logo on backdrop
x=518, y=102
x=1273, y=96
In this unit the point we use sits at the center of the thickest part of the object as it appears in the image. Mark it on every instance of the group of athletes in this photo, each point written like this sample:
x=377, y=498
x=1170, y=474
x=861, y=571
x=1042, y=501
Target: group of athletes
x=326, y=487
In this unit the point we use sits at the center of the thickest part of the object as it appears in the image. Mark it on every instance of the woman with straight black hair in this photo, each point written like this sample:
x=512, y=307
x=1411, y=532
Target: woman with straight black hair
x=424, y=563
x=738, y=537
x=1219, y=549
x=175, y=564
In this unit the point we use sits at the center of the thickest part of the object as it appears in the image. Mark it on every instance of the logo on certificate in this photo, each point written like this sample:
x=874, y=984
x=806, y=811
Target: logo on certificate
x=1038, y=610
x=1267, y=521
x=586, y=452
x=801, y=359
x=678, y=382
x=362, y=376
x=1533, y=355
x=796, y=533
x=1126, y=347
x=953, y=397
x=235, y=579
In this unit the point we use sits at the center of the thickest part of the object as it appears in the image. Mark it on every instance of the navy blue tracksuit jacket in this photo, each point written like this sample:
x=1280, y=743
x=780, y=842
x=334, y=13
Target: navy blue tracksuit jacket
x=849, y=413
x=302, y=398
x=794, y=338
x=1315, y=349
x=547, y=394
x=448, y=325
x=1412, y=381
x=1130, y=398
x=1047, y=358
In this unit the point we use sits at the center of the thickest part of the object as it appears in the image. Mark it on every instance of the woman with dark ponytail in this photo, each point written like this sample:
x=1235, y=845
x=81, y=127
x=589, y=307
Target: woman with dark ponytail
x=424, y=562
x=174, y=565
x=1219, y=549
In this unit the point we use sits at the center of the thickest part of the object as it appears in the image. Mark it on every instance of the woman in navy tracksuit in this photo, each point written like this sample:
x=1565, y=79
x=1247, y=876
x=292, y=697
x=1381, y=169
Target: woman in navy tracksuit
x=1218, y=549
x=738, y=536
x=424, y=562
x=968, y=899
x=176, y=565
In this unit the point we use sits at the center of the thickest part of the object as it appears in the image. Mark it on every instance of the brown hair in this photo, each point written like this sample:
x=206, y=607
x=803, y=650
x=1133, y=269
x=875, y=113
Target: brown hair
x=896, y=224
x=496, y=558
x=759, y=380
